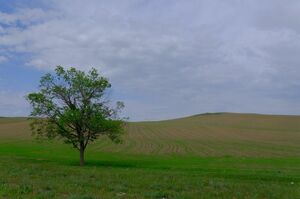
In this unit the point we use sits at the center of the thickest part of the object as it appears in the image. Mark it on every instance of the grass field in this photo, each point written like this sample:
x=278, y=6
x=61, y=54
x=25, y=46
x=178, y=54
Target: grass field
x=204, y=156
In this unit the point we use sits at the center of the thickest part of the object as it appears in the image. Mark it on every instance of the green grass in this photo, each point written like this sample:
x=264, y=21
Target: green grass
x=257, y=159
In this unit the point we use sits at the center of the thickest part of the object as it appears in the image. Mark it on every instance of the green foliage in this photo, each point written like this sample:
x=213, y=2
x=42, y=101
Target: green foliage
x=73, y=105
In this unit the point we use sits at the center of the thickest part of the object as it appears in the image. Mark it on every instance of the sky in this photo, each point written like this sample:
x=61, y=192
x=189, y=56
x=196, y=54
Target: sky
x=164, y=58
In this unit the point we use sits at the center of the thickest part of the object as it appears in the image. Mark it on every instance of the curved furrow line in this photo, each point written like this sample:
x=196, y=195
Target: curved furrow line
x=157, y=140
x=143, y=137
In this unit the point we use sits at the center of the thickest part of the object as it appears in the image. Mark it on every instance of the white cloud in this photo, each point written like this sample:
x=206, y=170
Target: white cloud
x=179, y=55
x=3, y=59
x=25, y=16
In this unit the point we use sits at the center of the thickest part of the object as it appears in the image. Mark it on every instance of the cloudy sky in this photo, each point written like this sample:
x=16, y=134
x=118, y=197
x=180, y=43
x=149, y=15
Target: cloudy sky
x=164, y=58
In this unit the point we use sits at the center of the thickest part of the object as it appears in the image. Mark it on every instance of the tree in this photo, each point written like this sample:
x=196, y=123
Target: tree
x=73, y=105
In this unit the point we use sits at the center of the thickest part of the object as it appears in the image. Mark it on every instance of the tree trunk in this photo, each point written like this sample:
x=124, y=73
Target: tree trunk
x=81, y=156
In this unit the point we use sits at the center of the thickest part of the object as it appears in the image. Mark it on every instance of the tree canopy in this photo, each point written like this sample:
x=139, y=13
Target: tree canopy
x=74, y=105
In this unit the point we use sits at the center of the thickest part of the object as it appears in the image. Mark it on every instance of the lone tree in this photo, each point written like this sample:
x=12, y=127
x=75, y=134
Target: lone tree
x=72, y=105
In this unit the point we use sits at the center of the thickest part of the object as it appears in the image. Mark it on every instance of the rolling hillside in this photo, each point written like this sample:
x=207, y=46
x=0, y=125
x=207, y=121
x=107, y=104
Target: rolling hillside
x=206, y=156
x=220, y=134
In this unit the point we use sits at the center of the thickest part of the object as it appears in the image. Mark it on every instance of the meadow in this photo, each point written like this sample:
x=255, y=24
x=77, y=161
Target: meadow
x=221, y=155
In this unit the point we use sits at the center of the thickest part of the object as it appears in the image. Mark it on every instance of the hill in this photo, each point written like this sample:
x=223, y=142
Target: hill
x=220, y=134
x=221, y=155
